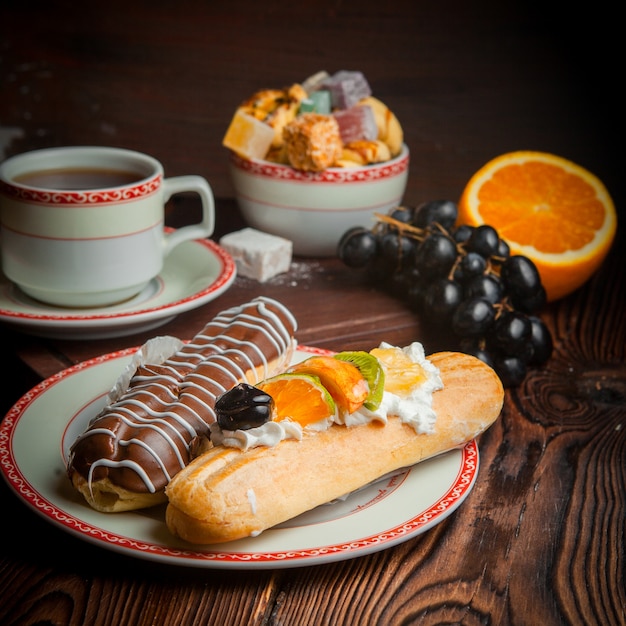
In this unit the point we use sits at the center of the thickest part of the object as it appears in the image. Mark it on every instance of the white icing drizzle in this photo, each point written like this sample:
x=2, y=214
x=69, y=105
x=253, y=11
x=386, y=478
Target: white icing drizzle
x=148, y=425
x=252, y=500
x=126, y=463
x=220, y=363
x=142, y=444
x=194, y=374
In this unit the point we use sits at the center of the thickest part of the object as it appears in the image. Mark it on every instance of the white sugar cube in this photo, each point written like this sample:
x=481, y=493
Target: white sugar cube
x=258, y=255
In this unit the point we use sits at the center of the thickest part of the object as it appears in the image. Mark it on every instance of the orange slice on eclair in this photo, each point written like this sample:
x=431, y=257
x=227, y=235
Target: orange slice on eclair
x=299, y=397
x=344, y=381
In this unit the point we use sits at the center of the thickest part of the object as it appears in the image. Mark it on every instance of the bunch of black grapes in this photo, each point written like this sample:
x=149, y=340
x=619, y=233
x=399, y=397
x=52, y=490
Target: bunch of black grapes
x=459, y=278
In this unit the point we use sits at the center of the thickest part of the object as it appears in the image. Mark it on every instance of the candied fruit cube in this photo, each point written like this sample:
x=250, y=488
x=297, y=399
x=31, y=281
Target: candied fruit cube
x=322, y=101
x=306, y=106
x=357, y=123
x=248, y=137
x=347, y=88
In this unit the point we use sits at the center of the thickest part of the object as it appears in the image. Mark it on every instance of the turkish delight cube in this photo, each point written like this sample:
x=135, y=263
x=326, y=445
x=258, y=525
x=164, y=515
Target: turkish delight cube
x=258, y=255
x=249, y=137
x=357, y=123
x=347, y=88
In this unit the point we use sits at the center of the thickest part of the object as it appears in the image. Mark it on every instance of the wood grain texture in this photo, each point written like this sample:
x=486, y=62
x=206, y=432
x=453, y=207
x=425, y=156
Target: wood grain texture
x=541, y=538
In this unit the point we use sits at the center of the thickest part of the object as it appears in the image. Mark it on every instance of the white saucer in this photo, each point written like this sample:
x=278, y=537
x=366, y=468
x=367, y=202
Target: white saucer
x=195, y=272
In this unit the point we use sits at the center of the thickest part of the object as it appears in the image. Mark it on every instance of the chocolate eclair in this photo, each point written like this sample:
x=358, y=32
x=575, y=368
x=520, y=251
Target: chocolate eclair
x=159, y=413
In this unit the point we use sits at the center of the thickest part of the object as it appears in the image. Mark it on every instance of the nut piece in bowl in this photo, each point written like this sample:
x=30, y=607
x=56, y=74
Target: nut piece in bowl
x=313, y=209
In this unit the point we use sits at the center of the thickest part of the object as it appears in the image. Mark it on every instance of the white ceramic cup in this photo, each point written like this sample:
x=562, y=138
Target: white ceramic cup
x=84, y=226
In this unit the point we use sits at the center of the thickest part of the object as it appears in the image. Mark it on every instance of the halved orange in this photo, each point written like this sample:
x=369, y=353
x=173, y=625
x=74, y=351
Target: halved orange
x=548, y=209
x=300, y=397
x=401, y=373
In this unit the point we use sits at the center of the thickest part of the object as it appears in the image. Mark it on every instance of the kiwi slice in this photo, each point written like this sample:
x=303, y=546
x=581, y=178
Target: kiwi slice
x=372, y=371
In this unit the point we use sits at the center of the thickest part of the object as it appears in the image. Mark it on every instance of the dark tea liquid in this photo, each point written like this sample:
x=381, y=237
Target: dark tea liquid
x=72, y=179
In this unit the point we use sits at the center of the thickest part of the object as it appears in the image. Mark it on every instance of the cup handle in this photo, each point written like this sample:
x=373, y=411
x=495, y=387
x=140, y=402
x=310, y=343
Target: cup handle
x=197, y=184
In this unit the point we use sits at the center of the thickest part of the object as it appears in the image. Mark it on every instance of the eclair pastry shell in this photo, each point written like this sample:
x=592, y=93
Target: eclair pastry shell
x=227, y=494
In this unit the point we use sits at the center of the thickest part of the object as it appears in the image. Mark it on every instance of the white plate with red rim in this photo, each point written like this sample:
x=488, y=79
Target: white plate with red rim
x=194, y=273
x=36, y=434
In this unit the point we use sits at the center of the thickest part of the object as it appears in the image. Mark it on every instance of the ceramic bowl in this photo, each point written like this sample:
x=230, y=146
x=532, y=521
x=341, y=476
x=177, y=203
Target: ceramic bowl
x=314, y=209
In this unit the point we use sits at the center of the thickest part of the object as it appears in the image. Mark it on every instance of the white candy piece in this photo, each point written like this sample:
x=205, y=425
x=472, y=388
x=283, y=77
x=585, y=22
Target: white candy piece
x=258, y=255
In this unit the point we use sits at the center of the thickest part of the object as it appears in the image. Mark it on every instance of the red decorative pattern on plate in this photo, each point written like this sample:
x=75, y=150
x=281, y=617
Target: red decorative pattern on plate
x=103, y=196
x=333, y=175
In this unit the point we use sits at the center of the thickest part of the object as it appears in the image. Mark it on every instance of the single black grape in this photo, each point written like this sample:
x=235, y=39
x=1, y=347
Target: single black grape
x=243, y=407
x=462, y=233
x=402, y=214
x=357, y=247
x=511, y=334
x=541, y=341
x=379, y=271
x=472, y=264
x=484, y=286
x=435, y=256
x=415, y=293
x=476, y=347
x=397, y=248
x=441, y=299
x=504, y=251
x=520, y=277
x=443, y=212
x=532, y=303
x=472, y=318
x=397, y=283
x=511, y=370
x=484, y=240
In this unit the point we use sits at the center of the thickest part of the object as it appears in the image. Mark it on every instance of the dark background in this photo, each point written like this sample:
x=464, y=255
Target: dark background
x=167, y=78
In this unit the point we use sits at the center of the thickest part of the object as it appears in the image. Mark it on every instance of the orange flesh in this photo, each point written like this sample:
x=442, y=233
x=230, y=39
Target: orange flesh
x=344, y=381
x=554, y=210
x=296, y=399
x=401, y=374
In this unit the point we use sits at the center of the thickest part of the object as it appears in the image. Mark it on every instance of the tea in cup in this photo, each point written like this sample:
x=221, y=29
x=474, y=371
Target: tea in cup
x=84, y=226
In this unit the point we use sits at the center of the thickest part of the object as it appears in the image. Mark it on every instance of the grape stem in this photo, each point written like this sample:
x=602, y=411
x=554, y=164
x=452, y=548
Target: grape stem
x=421, y=233
x=405, y=229
x=493, y=263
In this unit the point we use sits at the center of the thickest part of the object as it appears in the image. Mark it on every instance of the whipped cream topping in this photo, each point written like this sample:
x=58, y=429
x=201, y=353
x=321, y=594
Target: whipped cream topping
x=413, y=408
x=269, y=434
x=416, y=407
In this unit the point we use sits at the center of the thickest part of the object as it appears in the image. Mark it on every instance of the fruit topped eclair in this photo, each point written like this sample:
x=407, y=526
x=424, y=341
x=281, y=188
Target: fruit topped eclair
x=328, y=426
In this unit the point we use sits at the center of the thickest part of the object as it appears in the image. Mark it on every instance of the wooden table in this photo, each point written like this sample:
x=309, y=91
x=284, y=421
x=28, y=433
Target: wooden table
x=541, y=537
